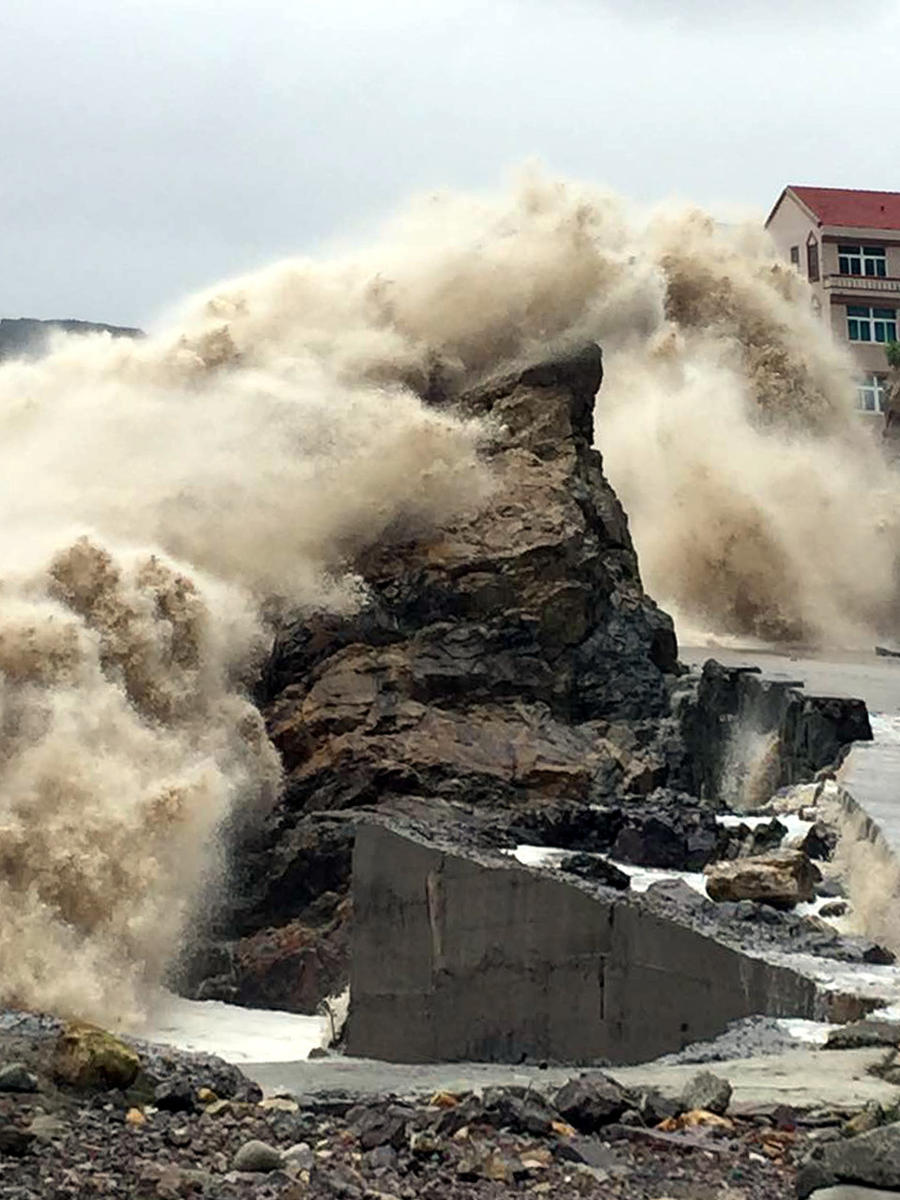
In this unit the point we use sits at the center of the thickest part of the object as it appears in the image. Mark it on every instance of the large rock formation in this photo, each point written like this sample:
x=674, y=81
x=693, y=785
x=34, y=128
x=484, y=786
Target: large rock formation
x=508, y=676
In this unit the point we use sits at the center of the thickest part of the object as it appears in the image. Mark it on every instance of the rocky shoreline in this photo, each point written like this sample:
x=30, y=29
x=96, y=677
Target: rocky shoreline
x=185, y=1125
x=507, y=681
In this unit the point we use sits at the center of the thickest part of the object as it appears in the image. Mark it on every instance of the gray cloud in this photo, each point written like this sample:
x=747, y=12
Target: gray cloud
x=150, y=149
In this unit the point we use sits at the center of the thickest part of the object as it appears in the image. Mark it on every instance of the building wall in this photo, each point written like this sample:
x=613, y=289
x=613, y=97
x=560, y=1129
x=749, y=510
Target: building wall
x=790, y=226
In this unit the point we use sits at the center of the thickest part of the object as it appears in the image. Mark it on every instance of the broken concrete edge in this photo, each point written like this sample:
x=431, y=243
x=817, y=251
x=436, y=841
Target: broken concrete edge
x=814, y=732
x=463, y=954
x=851, y=785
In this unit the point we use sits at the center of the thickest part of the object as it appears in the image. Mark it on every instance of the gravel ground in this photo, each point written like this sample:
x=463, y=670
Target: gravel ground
x=174, y=1134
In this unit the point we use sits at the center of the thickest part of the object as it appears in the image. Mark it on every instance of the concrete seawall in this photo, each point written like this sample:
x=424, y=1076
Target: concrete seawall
x=464, y=957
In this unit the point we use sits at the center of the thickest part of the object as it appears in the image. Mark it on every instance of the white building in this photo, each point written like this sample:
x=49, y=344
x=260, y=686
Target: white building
x=847, y=244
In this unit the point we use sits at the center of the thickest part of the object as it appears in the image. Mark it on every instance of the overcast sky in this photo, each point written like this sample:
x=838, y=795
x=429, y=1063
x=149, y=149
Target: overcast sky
x=150, y=147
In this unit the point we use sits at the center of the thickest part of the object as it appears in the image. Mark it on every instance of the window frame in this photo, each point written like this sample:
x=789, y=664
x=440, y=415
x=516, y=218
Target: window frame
x=871, y=387
x=854, y=260
x=871, y=320
x=812, y=260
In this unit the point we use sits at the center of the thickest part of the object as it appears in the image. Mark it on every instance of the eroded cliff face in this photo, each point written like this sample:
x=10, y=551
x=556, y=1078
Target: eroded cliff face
x=488, y=656
x=512, y=663
x=507, y=680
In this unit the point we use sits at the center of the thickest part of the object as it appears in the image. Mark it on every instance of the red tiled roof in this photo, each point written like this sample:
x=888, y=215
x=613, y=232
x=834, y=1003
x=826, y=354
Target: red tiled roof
x=847, y=207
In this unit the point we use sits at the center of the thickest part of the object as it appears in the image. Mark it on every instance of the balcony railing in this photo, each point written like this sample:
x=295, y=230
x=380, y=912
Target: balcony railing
x=862, y=283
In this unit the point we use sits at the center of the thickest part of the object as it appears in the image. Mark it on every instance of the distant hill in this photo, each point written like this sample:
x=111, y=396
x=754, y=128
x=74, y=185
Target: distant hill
x=26, y=336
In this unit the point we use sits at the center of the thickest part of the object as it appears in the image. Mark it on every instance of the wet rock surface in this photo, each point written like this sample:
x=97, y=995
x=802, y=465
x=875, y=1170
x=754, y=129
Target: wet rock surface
x=510, y=668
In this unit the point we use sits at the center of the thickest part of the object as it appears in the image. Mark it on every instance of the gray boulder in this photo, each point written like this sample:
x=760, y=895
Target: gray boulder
x=707, y=1091
x=871, y=1158
x=590, y=1102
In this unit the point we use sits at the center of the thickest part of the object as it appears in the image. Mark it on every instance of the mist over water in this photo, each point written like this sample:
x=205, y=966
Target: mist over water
x=156, y=496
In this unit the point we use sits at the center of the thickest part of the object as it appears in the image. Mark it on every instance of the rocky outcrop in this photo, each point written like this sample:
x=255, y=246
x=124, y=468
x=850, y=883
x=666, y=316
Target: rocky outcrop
x=511, y=662
x=508, y=679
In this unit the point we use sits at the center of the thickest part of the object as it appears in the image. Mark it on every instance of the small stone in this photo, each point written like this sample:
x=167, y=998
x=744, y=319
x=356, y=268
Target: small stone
x=219, y=1108
x=47, y=1128
x=423, y=1144
x=257, y=1157
x=834, y=908
x=134, y=1116
x=708, y=1092
x=179, y=1137
x=869, y=1118
x=632, y=1118
x=17, y=1078
x=299, y=1157
x=279, y=1104
x=206, y=1095
x=14, y=1140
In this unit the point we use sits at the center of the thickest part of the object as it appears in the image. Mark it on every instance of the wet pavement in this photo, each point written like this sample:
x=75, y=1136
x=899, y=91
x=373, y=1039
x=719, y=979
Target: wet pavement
x=803, y=1078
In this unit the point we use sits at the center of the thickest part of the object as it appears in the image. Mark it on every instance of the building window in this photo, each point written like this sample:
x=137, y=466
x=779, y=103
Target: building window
x=812, y=261
x=871, y=394
x=866, y=324
x=795, y=256
x=863, y=260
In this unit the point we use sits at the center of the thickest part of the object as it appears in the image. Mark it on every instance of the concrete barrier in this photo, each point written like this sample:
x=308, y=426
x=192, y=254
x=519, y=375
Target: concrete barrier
x=463, y=955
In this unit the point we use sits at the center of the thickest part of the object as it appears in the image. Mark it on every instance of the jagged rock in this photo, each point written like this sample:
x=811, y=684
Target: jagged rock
x=708, y=1092
x=510, y=661
x=379, y=1127
x=819, y=841
x=782, y=879
x=746, y=841
x=669, y=830
x=806, y=733
x=524, y=1113
x=599, y=870
x=590, y=1102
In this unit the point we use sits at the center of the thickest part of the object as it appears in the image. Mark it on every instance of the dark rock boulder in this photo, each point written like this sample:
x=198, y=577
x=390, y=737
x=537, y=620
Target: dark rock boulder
x=599, y=870
x=590, y=1102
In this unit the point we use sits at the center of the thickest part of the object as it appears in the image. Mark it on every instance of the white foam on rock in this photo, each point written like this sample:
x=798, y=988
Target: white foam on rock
x=239, y=1035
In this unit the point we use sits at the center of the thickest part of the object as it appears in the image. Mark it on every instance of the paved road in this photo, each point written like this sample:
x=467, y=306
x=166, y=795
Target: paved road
x=805, y=1078
x=866, y=675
